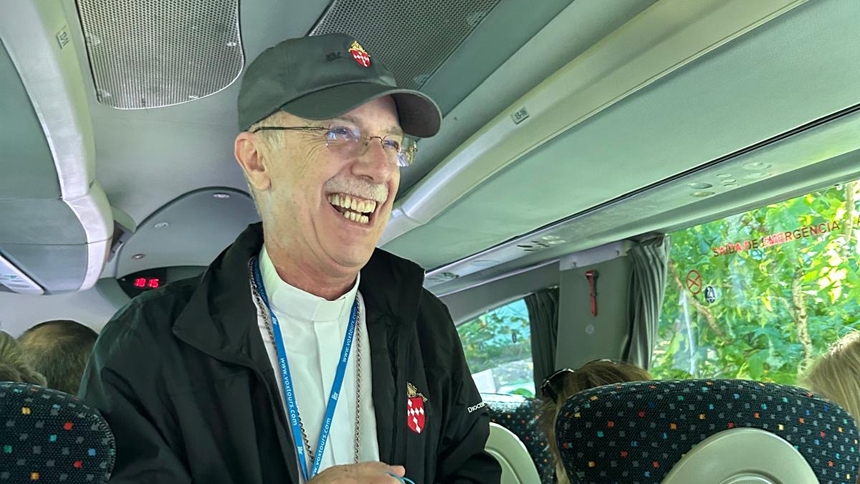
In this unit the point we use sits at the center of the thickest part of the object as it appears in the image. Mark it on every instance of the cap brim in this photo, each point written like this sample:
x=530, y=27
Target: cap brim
x=419, y=115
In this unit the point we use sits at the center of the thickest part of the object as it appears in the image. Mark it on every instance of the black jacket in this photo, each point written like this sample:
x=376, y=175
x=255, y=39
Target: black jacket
x=182, y=376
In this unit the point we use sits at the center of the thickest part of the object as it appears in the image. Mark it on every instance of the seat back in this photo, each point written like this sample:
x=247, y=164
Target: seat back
x=742, y=456
x=50, y=436
x=520, y=415
x=666, y=431
x=517, y=465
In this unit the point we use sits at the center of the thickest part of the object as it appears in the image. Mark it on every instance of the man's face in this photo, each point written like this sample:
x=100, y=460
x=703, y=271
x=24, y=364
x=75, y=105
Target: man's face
x=325, y=204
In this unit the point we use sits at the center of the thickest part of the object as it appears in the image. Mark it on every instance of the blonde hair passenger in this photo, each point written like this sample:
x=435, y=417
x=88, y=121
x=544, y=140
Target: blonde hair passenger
x=13, y=366
x=564, y=383
x=836, y=375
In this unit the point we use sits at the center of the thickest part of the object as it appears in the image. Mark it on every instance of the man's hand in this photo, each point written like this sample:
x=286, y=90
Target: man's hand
x=365, y=473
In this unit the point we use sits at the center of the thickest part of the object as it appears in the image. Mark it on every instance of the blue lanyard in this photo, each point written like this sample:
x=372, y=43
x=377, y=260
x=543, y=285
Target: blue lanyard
x=289, y=391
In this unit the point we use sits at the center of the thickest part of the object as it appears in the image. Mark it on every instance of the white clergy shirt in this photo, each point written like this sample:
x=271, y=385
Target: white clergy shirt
x=313, y=330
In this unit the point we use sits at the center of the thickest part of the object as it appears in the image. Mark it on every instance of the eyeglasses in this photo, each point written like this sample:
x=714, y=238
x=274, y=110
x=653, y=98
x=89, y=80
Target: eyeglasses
x=549, y=387
x=552, y=384
x=350, y=141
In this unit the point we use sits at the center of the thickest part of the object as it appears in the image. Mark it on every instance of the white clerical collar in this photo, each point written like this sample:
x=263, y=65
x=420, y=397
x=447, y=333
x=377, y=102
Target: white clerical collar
x=298, y=304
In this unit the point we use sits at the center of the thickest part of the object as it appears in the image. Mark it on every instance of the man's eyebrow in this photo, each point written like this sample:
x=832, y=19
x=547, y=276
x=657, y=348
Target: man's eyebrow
x=394, y=130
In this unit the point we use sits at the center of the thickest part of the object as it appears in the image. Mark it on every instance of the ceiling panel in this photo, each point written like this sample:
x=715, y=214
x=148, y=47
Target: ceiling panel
x=792, y=70
x=518, y=45
x=37, y=221
x=26, y=164
x=153, y=54
x=57, y=268
x=146, y=158
x=189, y=231
x=414, y=37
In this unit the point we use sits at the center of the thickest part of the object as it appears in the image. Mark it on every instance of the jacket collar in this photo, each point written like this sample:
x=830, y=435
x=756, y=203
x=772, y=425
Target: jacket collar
x=220, y=317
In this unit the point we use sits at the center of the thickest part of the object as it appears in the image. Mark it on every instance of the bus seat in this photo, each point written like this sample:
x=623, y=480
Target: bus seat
x=50, y=436
x=520, y=415
x=707, y=432
x=517, y=465
x=755, y=456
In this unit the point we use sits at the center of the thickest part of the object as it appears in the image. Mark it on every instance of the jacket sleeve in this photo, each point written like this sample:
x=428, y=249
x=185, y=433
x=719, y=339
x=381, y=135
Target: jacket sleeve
x=121, y=383
x=462, y=458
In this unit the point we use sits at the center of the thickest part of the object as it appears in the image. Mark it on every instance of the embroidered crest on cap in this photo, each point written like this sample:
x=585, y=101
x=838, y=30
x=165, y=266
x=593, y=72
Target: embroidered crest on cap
x=415, y=417
x=359, y=54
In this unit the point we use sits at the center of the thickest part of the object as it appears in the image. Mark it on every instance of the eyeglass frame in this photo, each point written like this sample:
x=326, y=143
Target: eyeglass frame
x=412, y=150
x=547, y=388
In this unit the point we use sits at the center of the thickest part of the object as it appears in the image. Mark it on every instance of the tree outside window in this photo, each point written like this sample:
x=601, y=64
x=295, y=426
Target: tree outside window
x=498, y=350
x=759, y=295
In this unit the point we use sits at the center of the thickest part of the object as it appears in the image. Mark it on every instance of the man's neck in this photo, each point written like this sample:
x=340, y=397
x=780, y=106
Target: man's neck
x=305, y=277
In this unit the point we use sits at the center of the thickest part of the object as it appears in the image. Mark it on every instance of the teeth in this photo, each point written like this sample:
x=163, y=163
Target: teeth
x=356, y=217
x=350, y=203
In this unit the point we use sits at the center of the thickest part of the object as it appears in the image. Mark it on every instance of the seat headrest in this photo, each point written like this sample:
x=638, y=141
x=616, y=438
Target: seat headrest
x=636, y=432
x=520, y=415
x=50, y=436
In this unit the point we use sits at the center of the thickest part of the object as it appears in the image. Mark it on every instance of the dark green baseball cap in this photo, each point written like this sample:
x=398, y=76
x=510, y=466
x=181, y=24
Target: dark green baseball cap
x=323, y=77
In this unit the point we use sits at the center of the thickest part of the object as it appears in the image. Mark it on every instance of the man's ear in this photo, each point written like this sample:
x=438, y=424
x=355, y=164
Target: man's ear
x=249, y=154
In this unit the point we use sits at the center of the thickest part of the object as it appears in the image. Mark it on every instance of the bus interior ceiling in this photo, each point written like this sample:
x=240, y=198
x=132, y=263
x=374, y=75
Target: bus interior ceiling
x=596, y=123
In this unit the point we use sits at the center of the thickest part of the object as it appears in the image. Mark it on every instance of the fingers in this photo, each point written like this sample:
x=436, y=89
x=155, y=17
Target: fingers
x=399, y=471
x=364, y=473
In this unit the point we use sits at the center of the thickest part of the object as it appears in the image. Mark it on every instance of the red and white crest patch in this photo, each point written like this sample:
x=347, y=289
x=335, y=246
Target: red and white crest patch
x=415, y=416
x=359, y=54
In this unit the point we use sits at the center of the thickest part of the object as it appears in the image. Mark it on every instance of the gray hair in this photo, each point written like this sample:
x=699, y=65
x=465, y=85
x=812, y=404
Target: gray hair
x=272, y=141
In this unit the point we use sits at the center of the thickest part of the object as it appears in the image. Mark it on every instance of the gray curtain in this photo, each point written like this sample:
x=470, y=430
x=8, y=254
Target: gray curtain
x=647, y=286
x=543, y=317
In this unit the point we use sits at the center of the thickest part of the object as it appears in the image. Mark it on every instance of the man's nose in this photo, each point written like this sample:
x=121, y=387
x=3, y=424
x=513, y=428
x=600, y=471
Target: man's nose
x=374, y=163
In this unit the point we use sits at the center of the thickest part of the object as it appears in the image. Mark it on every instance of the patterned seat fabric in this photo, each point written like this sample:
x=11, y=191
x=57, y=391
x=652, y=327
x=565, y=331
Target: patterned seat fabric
x=633, y=433
x=520, y=415
x=52, y=437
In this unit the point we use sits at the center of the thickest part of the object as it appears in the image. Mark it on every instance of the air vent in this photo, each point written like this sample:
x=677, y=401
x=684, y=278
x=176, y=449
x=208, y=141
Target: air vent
x=441, y=277
x=15, y=280
x=412, y=37
x=149, y=54
x=545, y=242
x=533, y=246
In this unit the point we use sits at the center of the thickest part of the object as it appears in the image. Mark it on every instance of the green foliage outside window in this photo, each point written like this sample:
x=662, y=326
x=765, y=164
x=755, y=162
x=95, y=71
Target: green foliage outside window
x=784, y=285
x=500, y=341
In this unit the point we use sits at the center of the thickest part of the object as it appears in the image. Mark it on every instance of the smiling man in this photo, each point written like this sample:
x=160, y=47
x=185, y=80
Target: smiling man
x=304, y=353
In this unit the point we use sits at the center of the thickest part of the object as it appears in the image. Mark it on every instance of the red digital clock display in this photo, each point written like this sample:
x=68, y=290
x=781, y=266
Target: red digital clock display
x=140, y=282
x=147, y=282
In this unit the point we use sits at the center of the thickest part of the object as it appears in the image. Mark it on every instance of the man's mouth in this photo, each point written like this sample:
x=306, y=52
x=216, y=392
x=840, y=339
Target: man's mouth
x=353, y=208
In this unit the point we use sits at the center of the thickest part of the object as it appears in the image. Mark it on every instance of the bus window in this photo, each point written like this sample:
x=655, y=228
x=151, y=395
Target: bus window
x=498, y=350
x=760, y=294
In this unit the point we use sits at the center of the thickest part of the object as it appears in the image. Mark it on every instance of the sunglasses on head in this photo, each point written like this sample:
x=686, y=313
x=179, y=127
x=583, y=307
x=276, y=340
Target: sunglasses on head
x=552, y=384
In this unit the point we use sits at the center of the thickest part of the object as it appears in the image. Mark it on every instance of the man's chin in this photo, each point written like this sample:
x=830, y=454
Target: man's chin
x=352, y=260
